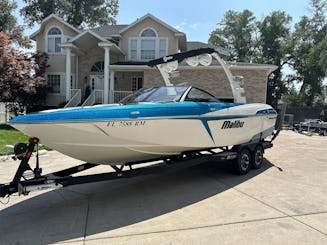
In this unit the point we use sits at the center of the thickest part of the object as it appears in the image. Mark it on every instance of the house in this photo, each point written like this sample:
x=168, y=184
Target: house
x=104, y=64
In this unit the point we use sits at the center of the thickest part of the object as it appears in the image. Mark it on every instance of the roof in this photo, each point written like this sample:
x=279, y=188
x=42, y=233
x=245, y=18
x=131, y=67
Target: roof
x=108, y=30
x=135, y=63
x=213, y=65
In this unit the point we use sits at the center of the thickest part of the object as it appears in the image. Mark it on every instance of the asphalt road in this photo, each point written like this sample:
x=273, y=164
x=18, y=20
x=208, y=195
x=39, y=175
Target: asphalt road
x=284, y=202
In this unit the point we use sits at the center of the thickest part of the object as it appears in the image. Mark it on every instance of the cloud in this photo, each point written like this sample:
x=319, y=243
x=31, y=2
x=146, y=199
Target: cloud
x=185, y=25
x=178, y=27
x=195, y=26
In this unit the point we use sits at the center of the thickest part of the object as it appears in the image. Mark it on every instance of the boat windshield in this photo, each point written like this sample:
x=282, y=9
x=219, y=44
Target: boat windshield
x=156, y=95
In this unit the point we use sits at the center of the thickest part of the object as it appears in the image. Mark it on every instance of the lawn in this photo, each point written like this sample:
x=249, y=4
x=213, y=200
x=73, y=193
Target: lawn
x=10, y=136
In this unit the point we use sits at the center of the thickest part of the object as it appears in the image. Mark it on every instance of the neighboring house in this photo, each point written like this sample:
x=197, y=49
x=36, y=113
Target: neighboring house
x=104, y=64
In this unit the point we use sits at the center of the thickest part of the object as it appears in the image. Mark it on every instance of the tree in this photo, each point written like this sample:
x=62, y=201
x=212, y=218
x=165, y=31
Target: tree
x=293, y=98
x=17, y=82
x=274, y=35
x=7, y=19
x=237, y=31
x=308, y=51
x=78, y=13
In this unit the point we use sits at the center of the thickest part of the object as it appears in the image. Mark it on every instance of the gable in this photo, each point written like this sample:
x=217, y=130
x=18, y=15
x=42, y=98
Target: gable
x=160, y=29
x=154, y=19
x=55, y=21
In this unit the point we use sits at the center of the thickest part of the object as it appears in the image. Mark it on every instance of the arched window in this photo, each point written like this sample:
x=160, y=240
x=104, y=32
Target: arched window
x=98, y=67
x=148, y=45
x=148, y=33
x=54, y=40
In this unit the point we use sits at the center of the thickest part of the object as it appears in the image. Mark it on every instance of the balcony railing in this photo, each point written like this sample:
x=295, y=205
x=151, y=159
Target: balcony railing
x=76, y=98
x=119, y=95
x=96, y=97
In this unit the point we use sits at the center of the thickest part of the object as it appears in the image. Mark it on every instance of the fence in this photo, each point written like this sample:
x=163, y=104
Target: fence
x=301, y=113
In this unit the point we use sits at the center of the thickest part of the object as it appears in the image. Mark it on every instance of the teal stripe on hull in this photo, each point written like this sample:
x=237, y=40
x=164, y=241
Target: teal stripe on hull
x=169, y=110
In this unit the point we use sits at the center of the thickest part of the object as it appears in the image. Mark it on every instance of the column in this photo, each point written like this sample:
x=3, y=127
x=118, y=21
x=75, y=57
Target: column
x=106, y=75
x=68, y=72
x=112, y=87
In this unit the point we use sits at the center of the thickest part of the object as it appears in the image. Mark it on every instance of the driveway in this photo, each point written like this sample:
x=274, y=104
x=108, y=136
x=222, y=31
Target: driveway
x=284, y=202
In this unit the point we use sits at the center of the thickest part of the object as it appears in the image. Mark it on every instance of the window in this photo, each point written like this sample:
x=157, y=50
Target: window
x=54, y=39
x=148, y=33
x=198, y=95
x=53, y=82
x=162, y=47
x=98, y=67
x=148, y=49
x=137, y=83
x=147, y=46
x=133, y=45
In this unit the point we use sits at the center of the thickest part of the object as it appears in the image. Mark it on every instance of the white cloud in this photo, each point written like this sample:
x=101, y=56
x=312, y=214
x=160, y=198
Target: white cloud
x=195, y=26
x=186, y=25
x=178, y=27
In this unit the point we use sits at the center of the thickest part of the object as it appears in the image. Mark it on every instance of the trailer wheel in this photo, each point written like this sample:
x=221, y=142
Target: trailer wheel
x=243, y=161
x=257, y=157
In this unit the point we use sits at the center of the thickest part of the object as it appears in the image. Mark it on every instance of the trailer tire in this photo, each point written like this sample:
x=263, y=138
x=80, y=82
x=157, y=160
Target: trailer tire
x=243, y=161
x=257, y=157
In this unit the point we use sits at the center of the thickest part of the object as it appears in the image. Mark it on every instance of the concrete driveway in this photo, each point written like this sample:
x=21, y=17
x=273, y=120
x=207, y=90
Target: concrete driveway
x=285, y=202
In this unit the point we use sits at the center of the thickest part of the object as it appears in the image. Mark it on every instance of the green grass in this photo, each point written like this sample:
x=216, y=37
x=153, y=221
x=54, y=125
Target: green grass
x=11, y=136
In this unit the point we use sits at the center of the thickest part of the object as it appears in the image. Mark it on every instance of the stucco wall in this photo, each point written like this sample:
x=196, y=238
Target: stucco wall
x=42, y=36
x=216, y=82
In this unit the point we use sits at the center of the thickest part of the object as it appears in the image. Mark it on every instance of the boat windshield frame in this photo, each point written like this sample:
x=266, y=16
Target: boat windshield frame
x=173, y=94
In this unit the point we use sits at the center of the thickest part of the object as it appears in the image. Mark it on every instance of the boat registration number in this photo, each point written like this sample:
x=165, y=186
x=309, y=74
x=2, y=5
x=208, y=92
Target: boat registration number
x=137, y=123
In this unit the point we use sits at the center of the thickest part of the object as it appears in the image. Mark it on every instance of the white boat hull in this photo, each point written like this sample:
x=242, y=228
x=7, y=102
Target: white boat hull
x=120, y=141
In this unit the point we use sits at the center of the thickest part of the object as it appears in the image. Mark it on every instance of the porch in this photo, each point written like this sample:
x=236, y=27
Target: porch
x=91, y=75
x=92, y=90
x=95, y=97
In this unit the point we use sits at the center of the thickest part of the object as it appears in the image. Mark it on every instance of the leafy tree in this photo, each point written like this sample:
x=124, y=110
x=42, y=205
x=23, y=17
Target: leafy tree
x=262, y=42
x=308, y=51
x=294, y=98
x=17, y=84
x=78, y=13
x=7, y=19
x=274, y=35
x=237, y=31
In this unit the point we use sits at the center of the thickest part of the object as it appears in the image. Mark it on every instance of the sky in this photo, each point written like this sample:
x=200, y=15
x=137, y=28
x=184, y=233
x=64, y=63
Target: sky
x=196, y=18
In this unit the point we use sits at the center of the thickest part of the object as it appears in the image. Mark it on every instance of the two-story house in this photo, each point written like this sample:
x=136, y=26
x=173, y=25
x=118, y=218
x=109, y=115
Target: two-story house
x=104, y=64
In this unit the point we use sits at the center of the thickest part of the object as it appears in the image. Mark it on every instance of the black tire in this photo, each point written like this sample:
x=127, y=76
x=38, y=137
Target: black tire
x=243, y=161
x=257, y=157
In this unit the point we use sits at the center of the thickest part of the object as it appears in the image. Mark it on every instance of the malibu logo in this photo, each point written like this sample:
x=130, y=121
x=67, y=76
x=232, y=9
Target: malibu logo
x=235, y=124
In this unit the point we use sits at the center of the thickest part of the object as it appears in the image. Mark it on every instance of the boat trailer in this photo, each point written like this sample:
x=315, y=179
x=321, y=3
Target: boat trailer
x=28, y=179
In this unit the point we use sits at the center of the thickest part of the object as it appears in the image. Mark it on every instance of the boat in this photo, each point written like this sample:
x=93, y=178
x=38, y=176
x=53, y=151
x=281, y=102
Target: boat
x=154, y=123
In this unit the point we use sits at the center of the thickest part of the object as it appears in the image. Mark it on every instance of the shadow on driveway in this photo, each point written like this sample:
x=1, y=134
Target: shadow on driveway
x=73, y=213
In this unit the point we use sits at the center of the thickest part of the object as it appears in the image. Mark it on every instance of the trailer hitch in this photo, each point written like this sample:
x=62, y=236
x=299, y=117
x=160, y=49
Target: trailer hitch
x=23, y=152
x=23, y=185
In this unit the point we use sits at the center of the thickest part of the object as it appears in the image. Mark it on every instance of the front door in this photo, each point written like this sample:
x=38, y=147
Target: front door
x=97, y=84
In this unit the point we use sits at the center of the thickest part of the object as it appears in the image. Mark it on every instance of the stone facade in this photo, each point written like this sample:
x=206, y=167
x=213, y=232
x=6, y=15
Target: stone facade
x=215, y=81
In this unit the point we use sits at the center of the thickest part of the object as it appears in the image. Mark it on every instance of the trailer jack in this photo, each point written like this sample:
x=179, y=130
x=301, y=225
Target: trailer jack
x=27, y=179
